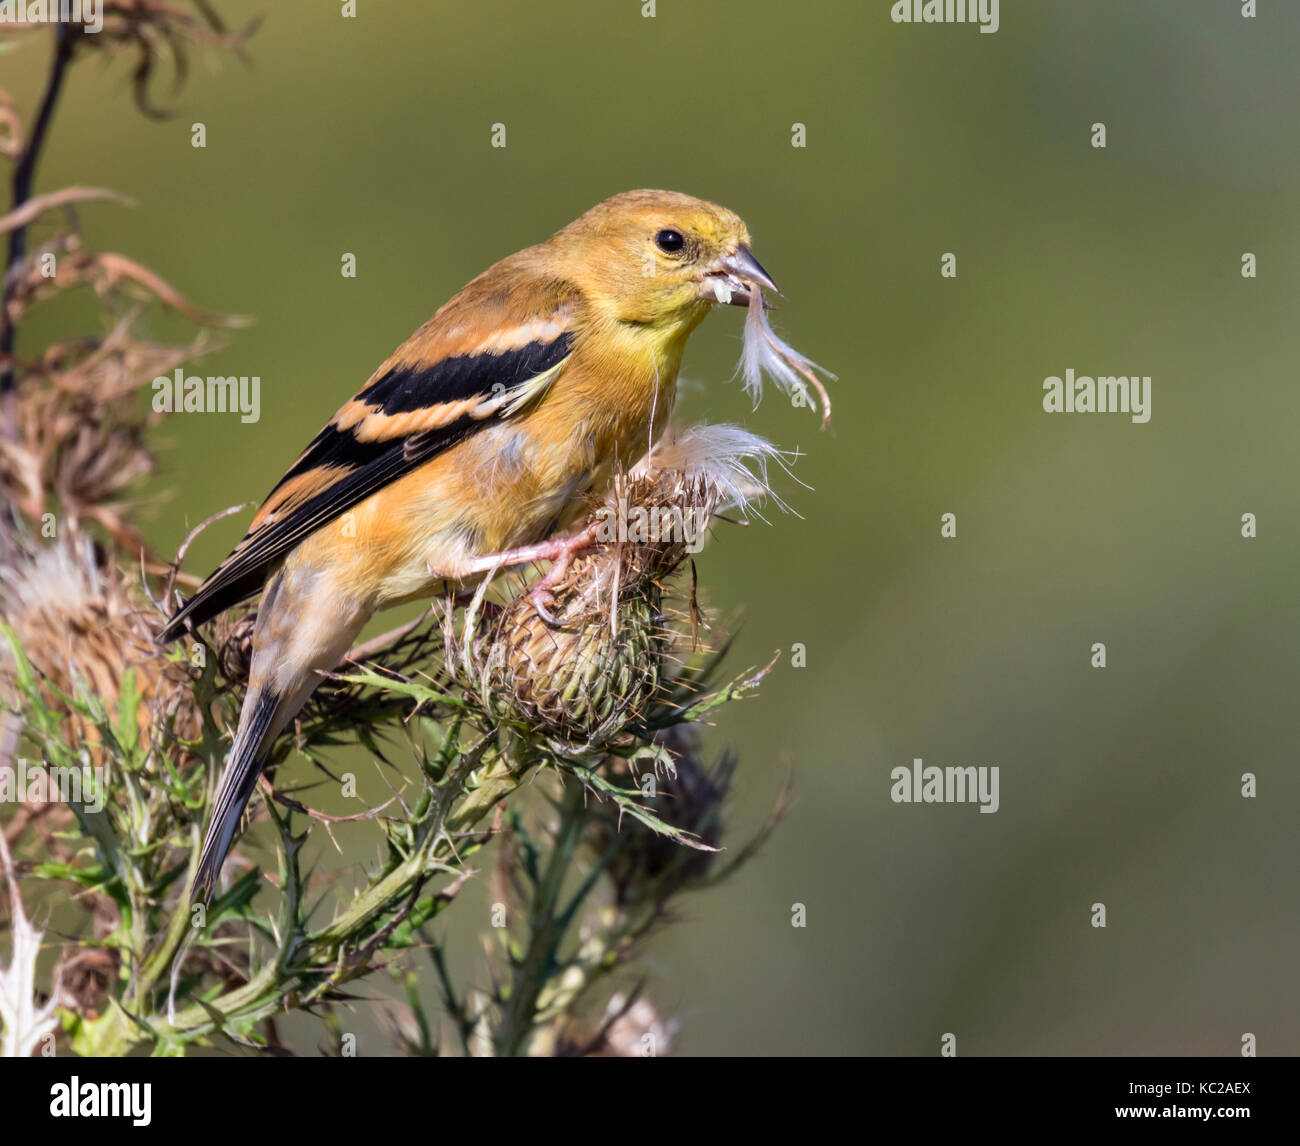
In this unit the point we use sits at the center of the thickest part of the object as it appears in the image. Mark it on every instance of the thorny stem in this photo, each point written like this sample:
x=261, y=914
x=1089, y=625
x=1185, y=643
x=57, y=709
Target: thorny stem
x=21, y=190
x=520, y=1015
x=493, y=784
x=469, y=793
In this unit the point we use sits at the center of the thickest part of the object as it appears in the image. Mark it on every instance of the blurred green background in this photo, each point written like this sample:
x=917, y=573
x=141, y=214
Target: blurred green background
x=1121, y=786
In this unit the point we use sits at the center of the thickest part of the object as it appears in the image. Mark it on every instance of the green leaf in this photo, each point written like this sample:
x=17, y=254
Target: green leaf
x=626, y=803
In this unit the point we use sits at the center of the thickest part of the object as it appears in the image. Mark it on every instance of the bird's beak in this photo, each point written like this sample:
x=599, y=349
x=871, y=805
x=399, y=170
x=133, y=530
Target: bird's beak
x=731, y=278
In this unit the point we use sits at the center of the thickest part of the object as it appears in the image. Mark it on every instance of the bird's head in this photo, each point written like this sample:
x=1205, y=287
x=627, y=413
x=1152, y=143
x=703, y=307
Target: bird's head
x=661, y=258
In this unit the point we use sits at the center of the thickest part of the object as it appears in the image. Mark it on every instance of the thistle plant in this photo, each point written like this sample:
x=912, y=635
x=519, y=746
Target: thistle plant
x=568, y=745
x=636, y=818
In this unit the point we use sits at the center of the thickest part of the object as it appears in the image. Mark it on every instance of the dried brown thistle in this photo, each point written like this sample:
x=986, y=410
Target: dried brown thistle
x=86, y=631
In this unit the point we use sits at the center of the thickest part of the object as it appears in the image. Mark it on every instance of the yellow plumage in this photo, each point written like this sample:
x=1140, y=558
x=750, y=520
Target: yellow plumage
x=474, y=443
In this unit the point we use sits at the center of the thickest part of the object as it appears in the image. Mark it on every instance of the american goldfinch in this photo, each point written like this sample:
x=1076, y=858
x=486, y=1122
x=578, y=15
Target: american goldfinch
x=471, y=448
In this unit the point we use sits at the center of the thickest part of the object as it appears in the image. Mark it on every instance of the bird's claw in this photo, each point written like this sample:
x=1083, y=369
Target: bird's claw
x=542, y=600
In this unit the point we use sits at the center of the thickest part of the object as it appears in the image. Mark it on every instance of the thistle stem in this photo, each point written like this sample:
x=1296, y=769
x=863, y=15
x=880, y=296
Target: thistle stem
x=545, y=931
x=21, y=190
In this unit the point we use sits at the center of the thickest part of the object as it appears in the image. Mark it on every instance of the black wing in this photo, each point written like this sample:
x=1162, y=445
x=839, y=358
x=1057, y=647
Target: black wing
x=403, y=418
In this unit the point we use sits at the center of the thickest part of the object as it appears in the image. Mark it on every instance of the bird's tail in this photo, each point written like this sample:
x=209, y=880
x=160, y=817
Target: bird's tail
x=257, y=729
x=304, y=627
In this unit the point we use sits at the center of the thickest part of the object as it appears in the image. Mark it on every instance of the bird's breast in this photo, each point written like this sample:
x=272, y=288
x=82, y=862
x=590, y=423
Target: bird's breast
x=509, y=484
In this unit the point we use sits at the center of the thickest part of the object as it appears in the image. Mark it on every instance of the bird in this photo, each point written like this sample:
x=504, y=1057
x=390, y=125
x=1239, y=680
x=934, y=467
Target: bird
x=474, y=446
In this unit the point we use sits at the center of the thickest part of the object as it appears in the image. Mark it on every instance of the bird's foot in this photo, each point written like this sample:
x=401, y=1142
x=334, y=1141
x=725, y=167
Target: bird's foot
x=559, y=551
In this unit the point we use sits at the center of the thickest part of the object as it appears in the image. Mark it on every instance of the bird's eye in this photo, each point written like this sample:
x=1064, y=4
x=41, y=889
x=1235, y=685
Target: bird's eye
x=670, y=241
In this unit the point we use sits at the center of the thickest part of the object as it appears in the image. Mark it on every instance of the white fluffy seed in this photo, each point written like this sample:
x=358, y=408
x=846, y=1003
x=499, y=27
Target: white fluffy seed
x=765, y=354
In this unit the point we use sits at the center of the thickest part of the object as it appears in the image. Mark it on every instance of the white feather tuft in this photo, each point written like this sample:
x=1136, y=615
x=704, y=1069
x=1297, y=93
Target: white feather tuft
x=731, y=459
x=766, y=354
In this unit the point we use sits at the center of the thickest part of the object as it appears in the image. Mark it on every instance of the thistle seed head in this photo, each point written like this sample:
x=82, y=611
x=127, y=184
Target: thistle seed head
x=587, y=678
x=84, y=632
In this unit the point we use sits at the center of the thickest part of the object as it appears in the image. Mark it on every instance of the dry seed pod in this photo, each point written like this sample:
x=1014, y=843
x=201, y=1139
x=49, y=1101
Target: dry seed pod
x=647, y=866
x=236, y=649
x=82, y=630
x=584, y=678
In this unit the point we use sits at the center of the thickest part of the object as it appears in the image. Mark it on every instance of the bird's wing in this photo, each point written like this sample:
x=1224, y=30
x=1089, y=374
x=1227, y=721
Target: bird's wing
x=490, y=351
